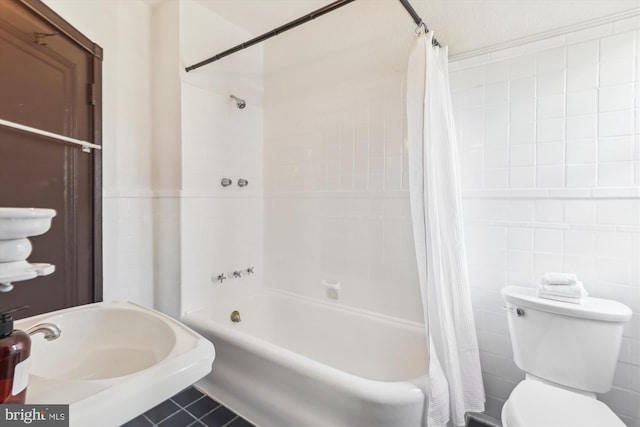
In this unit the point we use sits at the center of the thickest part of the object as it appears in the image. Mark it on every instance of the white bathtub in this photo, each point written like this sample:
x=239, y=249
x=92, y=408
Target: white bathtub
x=297, y=362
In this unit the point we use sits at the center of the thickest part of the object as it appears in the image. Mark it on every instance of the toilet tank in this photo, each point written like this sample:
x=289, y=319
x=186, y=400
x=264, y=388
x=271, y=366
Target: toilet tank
x=575, y=345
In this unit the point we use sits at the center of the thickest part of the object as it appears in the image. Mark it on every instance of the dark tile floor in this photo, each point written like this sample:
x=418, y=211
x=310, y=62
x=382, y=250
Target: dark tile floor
x=189, y=408
x=474, y=419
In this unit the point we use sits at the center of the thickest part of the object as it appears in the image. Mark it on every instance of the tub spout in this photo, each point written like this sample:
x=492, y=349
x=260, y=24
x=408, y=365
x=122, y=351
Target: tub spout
x=49, y=330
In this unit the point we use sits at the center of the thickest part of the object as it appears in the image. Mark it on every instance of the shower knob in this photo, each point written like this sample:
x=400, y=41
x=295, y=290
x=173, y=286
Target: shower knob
x=242, y=182
x=250, y=270
x=237, y=274
x=221, y=277
x=226, y=182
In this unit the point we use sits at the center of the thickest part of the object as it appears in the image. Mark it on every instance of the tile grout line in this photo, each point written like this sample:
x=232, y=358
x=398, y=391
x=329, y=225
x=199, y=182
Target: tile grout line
x=180, y=408
x=148, y=419
x=190, y=403
x=211, y=411
x=232, y=420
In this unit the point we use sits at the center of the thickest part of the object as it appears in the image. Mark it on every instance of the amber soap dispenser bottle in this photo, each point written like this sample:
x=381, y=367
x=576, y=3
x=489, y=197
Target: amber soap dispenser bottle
x=15, y=348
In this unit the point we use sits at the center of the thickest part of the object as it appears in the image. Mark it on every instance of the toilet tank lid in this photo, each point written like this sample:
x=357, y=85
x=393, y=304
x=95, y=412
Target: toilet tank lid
x=589, y=308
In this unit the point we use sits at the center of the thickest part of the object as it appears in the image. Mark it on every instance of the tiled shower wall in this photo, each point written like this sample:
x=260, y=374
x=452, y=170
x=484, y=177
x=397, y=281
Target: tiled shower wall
x=336, y=201
x=220, y=227
x=550, y=147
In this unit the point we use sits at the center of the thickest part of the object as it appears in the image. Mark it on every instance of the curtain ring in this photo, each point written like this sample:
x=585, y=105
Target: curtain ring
x=420, y=26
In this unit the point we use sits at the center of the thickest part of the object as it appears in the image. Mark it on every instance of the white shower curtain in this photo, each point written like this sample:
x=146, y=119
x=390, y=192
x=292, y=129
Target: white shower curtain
x=455, y=381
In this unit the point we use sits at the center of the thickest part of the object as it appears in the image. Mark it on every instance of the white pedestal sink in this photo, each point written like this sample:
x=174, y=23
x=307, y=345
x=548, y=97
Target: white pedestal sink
x=113, y=361
x=16, y=225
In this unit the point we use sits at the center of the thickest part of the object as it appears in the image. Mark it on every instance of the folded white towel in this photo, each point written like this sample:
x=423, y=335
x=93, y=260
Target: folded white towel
x=559, y=279
x=566, y=293
x=569, y=291
x=559, y=298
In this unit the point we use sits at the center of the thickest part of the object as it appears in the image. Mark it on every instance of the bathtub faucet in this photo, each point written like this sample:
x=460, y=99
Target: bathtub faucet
x=49, y=330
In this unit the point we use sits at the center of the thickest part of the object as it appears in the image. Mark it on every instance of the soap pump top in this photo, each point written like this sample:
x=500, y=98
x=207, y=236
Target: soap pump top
x=6, y=320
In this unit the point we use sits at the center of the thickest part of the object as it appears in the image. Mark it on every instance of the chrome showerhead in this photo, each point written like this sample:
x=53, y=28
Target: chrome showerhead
x=240, y=103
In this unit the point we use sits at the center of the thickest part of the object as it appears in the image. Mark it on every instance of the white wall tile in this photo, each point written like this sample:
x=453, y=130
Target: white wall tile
x=580, y=211
x=522, y=177
x=581, y=151
x=570, y=143
x=522, y=133
x=521, y=210
x=520, y=238
x=522, y=110
x=549, y=211
x=550, y=130
x=616, y=149
x=614, y=244
x=615, y=123
x=551, y=83
x=496, y=115
x=551, y=60
x=471, y=97
x=622, y=212
x=617, y=71
x=496, y=72
x=496, y=157
x=581, y=127
x=581, y=175
x=547, y=240
x=582, y=77
x=616, y=174
x=496, y=93
x=581, y=54
x=550, y=153
x=579, y=242
x=522, y=155
x=522, y=88
x=550, y=106
x=467, y=78
x=583, y=102
x=612, y=98
x=545, y=262
x=496, y=178
x=550, y=176
x=496, y=136
x=523, y=66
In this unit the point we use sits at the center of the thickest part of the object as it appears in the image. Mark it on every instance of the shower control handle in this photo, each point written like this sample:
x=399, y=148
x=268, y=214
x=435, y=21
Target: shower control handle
x=221, y=277
x=242, y=182
x=250, y=270
x=226, y=182
x=237, y=274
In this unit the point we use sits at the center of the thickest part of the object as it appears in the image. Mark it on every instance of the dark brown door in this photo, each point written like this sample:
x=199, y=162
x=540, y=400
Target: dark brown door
x=50, y=80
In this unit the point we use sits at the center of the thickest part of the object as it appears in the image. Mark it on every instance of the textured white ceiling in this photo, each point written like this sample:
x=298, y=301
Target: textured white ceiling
x=464, y=25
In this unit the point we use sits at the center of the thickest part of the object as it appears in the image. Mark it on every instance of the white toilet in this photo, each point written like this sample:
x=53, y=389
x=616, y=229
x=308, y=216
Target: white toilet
x=569, y=353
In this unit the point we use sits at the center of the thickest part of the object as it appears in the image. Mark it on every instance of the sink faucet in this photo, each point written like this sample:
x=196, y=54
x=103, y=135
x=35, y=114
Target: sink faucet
x=49, y=330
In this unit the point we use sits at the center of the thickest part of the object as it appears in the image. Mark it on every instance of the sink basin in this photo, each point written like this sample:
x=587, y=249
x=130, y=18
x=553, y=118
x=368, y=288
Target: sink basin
x=17, y=223
x=113, y=361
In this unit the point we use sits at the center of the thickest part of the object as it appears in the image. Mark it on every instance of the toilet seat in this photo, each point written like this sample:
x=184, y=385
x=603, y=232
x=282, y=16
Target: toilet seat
x=533, y=403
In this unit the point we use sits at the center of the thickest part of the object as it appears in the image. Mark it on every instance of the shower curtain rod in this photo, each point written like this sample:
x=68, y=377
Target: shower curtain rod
x=302, y=20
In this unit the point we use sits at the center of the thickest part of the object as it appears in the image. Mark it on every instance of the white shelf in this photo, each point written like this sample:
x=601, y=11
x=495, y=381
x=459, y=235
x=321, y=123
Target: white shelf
x=9, y=275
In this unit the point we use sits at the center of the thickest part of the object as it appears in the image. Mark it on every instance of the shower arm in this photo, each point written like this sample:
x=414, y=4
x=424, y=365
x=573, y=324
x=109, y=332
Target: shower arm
x=297, y=22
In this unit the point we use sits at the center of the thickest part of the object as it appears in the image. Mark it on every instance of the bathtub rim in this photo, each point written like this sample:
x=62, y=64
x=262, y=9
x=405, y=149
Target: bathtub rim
x=311, y=300
x=400, y=391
